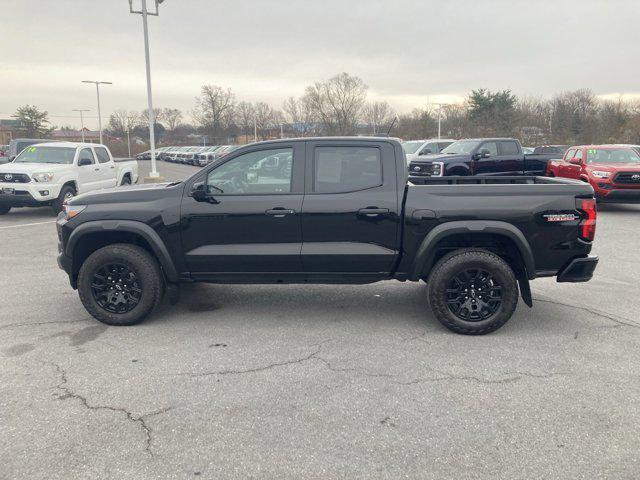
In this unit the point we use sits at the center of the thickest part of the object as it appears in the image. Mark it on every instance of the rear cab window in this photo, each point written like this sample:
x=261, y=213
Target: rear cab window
x=346, y=169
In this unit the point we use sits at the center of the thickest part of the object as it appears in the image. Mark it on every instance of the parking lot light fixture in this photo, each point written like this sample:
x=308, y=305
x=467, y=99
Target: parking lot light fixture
x=97, y=84
x=154, y=176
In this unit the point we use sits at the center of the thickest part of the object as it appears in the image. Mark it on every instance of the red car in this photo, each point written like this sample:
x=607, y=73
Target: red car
x=612, y=170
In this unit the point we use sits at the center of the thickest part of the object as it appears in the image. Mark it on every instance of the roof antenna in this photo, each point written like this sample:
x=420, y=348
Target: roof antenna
x=392, y=124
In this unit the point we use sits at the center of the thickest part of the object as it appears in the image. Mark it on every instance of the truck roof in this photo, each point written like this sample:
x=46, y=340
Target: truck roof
x=325, y=139
x=69, y=144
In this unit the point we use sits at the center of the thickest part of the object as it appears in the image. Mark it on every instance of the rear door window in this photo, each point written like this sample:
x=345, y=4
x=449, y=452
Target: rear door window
x=102, y=154
x=346, y=169
x=509, y=148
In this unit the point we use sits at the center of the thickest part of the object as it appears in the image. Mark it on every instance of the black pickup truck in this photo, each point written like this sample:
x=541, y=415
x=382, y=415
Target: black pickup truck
x=328, y=210
x=481, y=156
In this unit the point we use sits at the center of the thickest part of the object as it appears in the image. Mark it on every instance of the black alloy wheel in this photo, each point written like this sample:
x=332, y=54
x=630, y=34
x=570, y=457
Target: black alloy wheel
x=474, y=295
x=116, y=288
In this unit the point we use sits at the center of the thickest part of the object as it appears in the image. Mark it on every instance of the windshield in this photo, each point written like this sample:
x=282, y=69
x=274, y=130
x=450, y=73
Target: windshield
x=461, y=146
x=37, y=154
x=411, y=147
x=612, y=155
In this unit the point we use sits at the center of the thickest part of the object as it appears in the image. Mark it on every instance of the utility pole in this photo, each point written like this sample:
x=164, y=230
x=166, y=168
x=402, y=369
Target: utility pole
x=255, y=130
x=97, y=84
x=154, y=176
x=281, y=130
x=129, y=140
x=82, y=121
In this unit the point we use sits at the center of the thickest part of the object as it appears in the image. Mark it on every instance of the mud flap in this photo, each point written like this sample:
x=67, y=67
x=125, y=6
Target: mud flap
x=173, y=293
x=525, y=290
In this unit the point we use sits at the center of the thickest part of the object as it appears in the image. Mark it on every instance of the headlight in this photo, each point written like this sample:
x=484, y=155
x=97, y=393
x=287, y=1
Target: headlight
x=43, y=177
x=599, y=174
x=437, y=168
x=71, y=211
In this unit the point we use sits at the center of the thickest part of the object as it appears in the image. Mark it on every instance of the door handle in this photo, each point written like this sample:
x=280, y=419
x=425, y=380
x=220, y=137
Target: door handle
x=112, y=167
x=373, y=212
x=279, y=212
x=96, y=169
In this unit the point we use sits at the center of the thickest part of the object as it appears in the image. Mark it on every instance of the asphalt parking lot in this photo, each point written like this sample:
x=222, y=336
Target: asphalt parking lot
x=317, y=381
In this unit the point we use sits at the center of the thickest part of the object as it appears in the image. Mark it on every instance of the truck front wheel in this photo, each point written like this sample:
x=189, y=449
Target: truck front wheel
x=4, y=209
x=472, y=291
x=120, y=284
x=66, y=193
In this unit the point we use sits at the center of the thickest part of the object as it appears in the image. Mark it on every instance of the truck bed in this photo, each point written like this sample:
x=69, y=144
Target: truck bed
x=479, y=205
x=495, y=180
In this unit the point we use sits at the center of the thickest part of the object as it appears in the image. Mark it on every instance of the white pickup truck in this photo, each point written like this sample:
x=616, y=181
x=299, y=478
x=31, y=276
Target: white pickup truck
x=50, y=173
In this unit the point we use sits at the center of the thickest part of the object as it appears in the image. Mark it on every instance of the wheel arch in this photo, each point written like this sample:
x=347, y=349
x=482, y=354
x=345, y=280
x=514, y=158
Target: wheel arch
x=91, y=236
x=478, y=233
x=498, y=237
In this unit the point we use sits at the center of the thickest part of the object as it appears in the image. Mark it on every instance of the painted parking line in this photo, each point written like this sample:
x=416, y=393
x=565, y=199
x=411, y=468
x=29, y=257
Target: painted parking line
x=27, y=224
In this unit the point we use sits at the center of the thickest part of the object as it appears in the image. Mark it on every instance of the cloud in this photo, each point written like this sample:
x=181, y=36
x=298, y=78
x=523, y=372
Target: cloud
x=409, y=52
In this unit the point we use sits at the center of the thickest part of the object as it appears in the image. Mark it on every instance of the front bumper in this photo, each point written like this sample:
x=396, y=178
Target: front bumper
x=578, y=270
x=31, y=194
x=618, y=195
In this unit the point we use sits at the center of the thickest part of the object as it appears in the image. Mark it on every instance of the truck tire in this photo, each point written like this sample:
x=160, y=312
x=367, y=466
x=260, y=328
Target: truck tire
x=472, y=291
x=120, y=284
x=4, y=209
x=126, y=180
x=66, y=193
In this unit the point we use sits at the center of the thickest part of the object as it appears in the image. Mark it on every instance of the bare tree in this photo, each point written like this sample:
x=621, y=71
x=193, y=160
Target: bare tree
x=378, y=115
x=172, y=117
x=245, y=115
x=122, y=121
x=300, y=115
x=214, y=110
x=337, y=103
x=266, y=119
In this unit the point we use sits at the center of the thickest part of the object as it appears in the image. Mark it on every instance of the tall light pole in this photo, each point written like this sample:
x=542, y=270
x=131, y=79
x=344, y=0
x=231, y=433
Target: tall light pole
x=82, y=120
x=440, y=105
x=97, y=84
x=153, y=175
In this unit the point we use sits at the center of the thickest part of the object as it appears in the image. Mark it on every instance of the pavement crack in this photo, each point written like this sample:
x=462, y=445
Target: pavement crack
x=507, y=377
x=140, y=420
x=269, y=366
x=621, y=321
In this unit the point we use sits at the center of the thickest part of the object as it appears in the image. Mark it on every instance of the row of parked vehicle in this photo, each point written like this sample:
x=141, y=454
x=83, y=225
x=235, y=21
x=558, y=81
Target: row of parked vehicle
x=612, y=170
x=197, y=156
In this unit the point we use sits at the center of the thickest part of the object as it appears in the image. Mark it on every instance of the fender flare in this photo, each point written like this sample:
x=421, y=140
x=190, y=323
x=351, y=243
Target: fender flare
x=425, y=256
x=457, y=166
x=130, y=226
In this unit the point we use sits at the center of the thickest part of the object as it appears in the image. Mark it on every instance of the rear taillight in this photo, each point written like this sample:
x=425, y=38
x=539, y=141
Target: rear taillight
x=587, y=206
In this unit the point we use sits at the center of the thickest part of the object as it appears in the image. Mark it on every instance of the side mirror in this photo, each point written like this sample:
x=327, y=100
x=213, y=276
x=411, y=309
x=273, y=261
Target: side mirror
x=426, y=151
x=576, y=161
x=83, y=162
x=199, y=191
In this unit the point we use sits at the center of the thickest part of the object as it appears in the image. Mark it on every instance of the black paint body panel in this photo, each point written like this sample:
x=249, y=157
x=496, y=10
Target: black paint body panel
x=331, y=238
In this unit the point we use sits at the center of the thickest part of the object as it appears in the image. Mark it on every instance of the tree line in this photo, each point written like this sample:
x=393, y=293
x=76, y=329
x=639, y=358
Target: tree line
x=341, y=106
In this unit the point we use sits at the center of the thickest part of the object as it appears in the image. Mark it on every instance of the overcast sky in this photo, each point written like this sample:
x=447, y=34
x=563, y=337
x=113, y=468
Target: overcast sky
x=408, y=52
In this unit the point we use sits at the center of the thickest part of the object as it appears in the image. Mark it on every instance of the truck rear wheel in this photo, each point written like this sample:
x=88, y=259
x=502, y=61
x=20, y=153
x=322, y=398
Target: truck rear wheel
x=120, y=284
x=4, y=209
x=472, y=291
